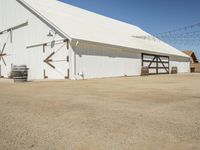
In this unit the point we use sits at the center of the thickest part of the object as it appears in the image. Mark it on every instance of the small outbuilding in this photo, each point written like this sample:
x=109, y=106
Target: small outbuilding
x=195, y=65
x=192, y=55
x=59, y=41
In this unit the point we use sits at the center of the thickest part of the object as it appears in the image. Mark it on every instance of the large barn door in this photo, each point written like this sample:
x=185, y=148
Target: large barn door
x=157, y=64
x=56, y=60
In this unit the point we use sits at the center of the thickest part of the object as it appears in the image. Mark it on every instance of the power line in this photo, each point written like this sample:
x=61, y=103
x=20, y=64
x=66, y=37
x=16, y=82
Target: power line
x=188, y=35
x=180, y=29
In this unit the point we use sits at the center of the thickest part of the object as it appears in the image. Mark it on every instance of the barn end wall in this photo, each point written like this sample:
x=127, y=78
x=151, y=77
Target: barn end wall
x=98, y=61
x=12, y=13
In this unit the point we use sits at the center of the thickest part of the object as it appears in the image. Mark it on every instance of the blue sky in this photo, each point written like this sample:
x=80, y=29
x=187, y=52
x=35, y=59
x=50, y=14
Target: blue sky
x=154, y=16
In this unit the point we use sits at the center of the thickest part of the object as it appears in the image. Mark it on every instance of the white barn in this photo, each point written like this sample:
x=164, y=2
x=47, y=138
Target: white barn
x=56, y=41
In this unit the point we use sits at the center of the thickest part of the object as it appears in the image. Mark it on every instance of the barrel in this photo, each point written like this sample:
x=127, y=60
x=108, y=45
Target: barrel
x=174, y=70
x=20, y=73
x=145, y=71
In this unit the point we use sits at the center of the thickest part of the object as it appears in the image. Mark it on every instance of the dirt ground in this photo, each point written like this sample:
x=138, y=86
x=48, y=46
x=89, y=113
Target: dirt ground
x=134, y=113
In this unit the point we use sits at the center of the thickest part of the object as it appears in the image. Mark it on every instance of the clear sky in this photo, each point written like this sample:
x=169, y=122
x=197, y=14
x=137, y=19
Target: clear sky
x=154, y=16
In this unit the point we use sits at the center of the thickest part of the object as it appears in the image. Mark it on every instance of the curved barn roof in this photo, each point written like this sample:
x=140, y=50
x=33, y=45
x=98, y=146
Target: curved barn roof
x=80, y=24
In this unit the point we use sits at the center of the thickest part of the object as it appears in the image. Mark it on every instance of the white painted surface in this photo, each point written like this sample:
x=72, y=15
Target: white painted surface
x=183, y=64
x=34, y=33
x=91, y=60
x=99, y=61
x=84, y=25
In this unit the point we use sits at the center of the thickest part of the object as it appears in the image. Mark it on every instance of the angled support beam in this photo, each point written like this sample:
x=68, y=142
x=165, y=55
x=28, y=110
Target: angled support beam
x=2, y=58
x=167, y=69
x=2, y=54
x=49, y=43
x=152, y=61
x=48, y=60
x=14, y=28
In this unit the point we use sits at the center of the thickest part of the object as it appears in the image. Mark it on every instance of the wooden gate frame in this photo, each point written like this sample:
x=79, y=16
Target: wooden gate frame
x=3, y=54
x=10, y=31
x=156, y=59
x=48, y=59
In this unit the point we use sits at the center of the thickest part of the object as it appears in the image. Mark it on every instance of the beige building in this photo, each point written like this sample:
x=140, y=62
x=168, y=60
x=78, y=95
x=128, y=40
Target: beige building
x=192, y=55
x=195, y=65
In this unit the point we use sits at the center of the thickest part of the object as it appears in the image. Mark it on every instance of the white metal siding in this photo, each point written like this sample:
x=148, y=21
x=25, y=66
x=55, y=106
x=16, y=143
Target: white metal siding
x=101, y=61
x=183, y=64
x=93, y=60
x=97, y=61
x=12, y=13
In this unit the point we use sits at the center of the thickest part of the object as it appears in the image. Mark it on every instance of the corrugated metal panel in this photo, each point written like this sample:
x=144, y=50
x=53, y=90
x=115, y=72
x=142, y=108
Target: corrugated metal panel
x=94, y=61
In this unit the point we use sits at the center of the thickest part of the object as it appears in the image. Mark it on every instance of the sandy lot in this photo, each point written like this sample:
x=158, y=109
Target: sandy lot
x=136, y=113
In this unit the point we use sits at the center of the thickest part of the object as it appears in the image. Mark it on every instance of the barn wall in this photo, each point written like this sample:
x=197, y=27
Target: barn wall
x=183, y=64
x=95, y=61
x=13, y=13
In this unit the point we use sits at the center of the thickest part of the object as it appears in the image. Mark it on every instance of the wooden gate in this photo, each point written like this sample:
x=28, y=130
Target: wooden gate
x=6, y=50
x=5, y=60
x=56, y=59
x=157, y=64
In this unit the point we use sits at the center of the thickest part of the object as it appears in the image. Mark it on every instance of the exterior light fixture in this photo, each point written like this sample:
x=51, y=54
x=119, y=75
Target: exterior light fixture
x=51, y=33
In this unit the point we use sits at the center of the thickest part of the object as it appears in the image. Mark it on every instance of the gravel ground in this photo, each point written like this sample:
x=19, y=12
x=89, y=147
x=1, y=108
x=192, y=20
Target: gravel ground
x=134, y=113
